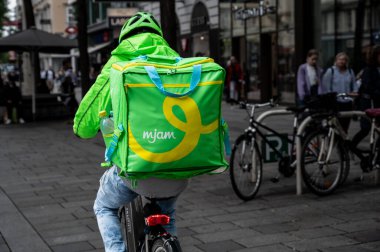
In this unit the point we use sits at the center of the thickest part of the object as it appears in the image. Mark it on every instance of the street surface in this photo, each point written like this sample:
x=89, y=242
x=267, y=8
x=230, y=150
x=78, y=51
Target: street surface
x=49, y=179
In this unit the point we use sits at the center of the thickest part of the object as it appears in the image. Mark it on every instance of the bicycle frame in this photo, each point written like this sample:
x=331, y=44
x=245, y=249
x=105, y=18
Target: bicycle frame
x=335, y=128
x=254, y=129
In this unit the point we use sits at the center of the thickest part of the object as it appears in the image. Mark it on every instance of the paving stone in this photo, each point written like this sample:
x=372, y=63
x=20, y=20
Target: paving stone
x=351, y=248
x=222, y=246
x=190, y=223
x=65, y=231
x=79, y=246
x=185, y=232
x=4, y=248
x=188, y=240
x=365, y=236
x=321, y=243
x=276, y=228
x=375, y=246
x=270, y=248
x=261, y=240
x=73, y=238
x=98, y=243
x=226, y=235
x=208, y=211
x=191, y=249
x=317, y=232
x=358, y=225
x=214, y=227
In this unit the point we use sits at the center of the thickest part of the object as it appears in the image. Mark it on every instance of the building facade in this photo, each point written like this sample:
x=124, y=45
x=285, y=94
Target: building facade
x=51, y=16
x=270, y=38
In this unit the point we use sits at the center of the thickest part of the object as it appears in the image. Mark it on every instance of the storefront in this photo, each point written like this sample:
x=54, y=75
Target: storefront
x=261, y=36
x=270, y=38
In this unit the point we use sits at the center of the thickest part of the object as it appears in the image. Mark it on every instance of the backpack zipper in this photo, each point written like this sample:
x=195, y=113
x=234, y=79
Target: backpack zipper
x=120, y=68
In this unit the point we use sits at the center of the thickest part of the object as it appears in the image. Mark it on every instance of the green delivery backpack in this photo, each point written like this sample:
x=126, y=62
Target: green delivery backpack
x=167, y=116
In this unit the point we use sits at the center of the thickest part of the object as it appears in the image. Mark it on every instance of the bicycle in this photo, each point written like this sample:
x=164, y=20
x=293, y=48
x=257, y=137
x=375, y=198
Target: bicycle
x=246, y=158
x=325, y=162
x=143, y=229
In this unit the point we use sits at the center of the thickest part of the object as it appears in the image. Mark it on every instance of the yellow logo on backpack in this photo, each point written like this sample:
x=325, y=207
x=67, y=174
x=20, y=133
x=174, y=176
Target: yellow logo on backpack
x=193, y=128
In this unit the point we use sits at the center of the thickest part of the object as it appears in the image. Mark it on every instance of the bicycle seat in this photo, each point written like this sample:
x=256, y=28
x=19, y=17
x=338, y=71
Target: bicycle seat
x=296, y=110
x=373, y=113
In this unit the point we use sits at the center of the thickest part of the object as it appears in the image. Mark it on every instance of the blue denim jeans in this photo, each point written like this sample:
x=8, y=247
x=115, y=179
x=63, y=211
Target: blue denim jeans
x=112, y=194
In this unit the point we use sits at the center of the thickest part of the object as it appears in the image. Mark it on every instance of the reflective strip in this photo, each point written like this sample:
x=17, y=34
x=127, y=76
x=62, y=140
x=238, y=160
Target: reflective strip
x=117, y=67
x=144, y=85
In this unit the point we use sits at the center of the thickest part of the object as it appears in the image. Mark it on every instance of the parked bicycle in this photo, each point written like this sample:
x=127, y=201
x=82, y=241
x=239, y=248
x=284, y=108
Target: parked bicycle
x=325, y=160
x=246, y=158
x=143, y=227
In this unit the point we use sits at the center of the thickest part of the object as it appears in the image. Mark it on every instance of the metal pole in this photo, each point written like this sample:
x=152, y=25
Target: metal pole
x=33, y=55
x=298, y=153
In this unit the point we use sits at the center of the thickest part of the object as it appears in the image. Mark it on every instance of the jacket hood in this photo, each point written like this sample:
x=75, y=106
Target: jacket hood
x=144, y=44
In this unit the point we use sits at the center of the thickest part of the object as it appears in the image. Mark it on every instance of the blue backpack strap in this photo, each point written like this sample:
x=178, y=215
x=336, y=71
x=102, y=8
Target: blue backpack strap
x=113, y=145
x=226, y=133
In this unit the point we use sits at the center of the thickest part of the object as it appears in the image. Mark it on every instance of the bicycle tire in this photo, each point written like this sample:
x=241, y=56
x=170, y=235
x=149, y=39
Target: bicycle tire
x=162, y=244
x=245, y=167
x=310, y=153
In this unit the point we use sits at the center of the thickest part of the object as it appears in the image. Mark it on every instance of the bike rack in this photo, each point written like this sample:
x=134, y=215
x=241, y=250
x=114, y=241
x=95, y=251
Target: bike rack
x=271, y=113
x=301, y=129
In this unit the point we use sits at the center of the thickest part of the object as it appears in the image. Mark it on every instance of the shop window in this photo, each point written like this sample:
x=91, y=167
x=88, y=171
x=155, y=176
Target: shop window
x=252, y=67
x=286, y=77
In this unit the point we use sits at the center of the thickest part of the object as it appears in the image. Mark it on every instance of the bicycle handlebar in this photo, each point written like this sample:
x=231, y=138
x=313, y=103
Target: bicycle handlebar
x=346, y=95
x=245, y=105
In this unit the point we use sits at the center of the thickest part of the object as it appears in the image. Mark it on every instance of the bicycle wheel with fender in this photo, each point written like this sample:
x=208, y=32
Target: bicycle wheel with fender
x=245, y=168
x=162, y=244
x=323, y=162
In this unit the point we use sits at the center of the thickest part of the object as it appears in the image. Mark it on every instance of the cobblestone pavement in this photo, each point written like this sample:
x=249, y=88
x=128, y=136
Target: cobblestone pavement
x=49, y=179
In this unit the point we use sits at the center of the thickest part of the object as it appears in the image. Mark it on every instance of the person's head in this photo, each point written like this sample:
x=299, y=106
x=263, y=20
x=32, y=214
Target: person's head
x=312, y=57
x=375, y=56
x=141, y=22
x=233, y=59
x=341, y=60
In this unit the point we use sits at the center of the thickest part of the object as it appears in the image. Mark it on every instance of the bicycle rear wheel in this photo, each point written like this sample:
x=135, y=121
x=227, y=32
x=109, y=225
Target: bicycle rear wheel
x=323, y=176
x=166, y=245
x=245, y=168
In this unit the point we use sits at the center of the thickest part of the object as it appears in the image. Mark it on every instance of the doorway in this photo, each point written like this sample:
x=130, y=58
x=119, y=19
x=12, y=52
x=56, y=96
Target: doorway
x=268, y=67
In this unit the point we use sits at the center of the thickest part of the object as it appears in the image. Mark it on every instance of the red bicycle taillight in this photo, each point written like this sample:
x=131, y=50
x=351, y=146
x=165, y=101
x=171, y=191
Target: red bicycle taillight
x=158, y=219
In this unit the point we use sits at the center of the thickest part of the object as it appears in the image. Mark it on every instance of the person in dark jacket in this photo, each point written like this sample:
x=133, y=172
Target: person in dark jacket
x=13, y=100
x=369, y=94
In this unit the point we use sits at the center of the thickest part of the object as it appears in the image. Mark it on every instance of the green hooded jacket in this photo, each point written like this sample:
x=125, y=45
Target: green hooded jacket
x=87, y=121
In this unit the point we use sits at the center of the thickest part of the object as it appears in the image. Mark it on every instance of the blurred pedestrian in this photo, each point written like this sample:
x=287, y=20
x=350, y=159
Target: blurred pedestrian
x=341, y=79
x=42, y=86
x=234, y=79
x=309, y=78
x=50, y=77
x=369, y=93
x=68, y=84
x=14, y=100
x=3, y=101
